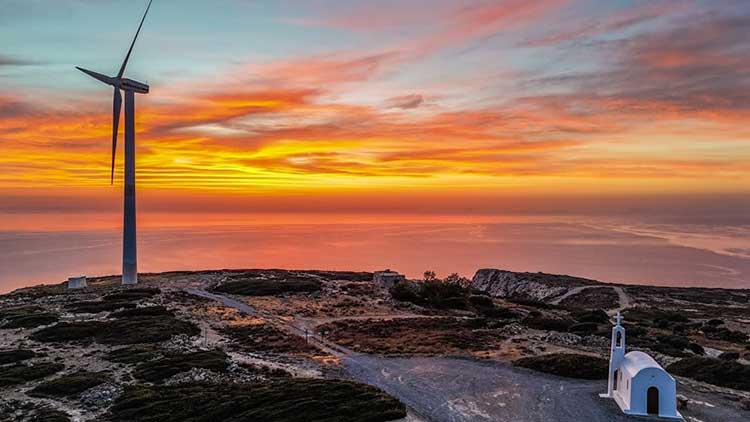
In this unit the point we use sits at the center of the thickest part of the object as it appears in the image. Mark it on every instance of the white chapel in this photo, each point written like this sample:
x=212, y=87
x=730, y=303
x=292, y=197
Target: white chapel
x=637, y=383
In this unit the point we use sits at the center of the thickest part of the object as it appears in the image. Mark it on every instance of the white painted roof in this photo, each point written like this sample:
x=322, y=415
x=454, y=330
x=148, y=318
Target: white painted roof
x=634, y=362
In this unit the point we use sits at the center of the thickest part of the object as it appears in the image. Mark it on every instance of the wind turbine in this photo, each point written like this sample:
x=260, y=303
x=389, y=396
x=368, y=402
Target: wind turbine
x=131, y=87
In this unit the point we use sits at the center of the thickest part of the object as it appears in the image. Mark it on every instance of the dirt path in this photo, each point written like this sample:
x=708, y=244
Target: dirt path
x=301, y=331
x=443, y=389
x=623, y=299
x=571, y=292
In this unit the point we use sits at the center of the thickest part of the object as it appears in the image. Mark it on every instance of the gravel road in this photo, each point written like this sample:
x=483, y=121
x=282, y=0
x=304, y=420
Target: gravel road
x=458, y=390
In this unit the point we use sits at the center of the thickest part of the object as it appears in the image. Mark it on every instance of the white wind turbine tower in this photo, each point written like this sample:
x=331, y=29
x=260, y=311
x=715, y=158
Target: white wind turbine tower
x=129, y=255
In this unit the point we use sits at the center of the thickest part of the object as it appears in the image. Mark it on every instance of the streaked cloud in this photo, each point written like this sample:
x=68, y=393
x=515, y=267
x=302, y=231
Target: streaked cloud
x=489, y=96
x=11, y=61
x=405, y=101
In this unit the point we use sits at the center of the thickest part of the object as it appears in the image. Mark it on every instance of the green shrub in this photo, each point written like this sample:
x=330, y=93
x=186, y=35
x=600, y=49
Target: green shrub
x=50, y=415
x=284, y=400
x=597, y=316
x=159, y=370
x=455, y=302
x=131, y=294
x=69, y=331
x=13, y=356
x=498, y=312
x=567, y=365
x=142, y=329
x=675, y=341
x=696, y=348
x=434, y=293
x=26, y=317
x=481, y=301
x=584, y=328
x=654, y=317
x=19, y=373
x=144, y=311
x=444, y=294
x=730, y=374
x=671, y=345
x=405, y=292
x=732, y=336
x=133, y=354
x=38, y=412
x=266, y=338
x=551, y=324
x=729, y=356
x=531, y=302
x=268, y=287
x=94, y=307
x=19, y=311
x=70, y=385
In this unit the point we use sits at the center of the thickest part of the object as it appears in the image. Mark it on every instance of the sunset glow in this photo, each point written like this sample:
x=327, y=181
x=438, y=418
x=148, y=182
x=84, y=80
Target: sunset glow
x=491, y=98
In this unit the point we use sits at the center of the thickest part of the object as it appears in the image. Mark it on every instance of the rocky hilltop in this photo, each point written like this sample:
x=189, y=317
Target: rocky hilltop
x=538, y=286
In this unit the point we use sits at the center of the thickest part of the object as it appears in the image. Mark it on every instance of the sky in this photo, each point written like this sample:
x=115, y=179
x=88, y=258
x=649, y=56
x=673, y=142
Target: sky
x=403, y=106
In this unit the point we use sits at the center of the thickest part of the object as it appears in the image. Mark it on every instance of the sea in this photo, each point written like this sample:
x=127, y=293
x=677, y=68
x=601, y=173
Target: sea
x=45, y=249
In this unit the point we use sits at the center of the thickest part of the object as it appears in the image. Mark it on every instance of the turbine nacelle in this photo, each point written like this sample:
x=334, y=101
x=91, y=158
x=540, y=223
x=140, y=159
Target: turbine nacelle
x=135, y=86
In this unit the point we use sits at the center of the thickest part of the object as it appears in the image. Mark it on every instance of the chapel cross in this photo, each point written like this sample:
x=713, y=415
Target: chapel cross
x=619, y=318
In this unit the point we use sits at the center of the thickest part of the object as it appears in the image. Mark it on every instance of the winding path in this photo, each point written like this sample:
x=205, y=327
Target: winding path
x=622, y=297
x=444, y=389
x=323, y=344
x=624, y=300
x=571, y=292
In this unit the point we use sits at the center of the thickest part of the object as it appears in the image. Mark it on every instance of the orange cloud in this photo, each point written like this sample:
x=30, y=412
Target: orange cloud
x=286, y=126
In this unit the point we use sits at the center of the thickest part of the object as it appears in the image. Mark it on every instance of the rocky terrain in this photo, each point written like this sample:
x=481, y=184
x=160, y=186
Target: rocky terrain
x=538, y=286
x=315, y=345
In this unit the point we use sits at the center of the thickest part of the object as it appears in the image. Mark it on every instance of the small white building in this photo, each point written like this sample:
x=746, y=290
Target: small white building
x=77, y=282
x=388, y=278
x=637, y=383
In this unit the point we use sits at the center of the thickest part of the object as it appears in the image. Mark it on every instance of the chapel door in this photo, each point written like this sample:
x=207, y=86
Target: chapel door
x=652, y=401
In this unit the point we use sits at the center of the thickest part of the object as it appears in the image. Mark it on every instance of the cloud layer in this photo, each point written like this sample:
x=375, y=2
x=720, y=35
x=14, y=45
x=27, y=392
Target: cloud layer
x=498, y=97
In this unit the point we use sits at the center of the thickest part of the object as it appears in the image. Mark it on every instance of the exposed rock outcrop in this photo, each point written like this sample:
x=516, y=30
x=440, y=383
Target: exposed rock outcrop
x=538, y=286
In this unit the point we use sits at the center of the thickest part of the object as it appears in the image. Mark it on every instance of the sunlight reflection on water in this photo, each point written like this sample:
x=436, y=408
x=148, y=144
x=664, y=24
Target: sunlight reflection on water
x=604, y=250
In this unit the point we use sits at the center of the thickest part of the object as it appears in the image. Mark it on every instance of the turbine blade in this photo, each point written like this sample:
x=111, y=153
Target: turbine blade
x=127, y=57
x=115, y=124
x=98, y=76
